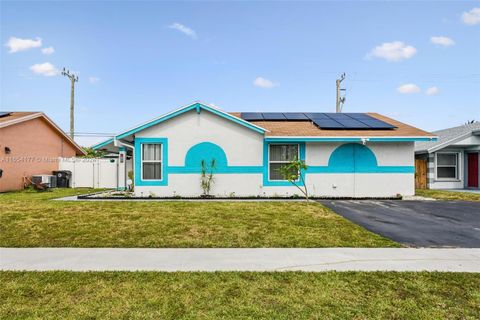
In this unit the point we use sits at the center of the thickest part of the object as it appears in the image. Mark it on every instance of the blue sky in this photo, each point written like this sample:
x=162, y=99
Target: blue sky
x=418, y=62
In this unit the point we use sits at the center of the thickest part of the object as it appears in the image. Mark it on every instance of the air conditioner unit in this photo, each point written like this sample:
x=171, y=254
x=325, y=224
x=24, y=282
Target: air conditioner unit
x=49, y=180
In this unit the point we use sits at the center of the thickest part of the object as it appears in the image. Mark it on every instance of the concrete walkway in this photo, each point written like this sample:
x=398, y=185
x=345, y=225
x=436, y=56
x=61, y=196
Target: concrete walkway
x=261, y=259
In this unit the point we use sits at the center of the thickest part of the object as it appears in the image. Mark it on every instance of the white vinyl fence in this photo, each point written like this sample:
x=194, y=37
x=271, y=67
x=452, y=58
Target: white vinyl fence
x=91, y=172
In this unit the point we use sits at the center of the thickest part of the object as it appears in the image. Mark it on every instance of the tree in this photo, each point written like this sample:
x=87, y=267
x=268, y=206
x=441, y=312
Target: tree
x=293, y=173
x=92, y=153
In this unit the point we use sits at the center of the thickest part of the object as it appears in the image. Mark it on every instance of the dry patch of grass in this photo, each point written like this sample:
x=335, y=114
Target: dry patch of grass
x=30, y=219
x=239, y=295
x=448, y=195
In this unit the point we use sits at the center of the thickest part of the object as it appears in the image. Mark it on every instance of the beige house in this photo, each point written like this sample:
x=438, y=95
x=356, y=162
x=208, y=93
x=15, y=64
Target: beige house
x=30, y=144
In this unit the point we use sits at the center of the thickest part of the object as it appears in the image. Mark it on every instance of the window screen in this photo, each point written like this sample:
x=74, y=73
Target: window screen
x=280, y=155
x=152, y=161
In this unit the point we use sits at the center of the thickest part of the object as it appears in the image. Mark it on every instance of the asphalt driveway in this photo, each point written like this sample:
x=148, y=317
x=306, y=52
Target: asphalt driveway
x=416, y=223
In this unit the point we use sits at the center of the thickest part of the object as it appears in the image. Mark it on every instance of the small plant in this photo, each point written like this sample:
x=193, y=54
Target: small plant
x=231, y=195
x=293, y=173
x=206, y=177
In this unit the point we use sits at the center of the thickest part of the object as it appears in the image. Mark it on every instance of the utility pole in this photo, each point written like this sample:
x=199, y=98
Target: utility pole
x=73, y=78
x=340, y=99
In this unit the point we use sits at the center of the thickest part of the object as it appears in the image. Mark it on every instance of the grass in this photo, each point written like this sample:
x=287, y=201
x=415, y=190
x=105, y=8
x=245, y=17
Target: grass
x=240, y=295
x=448, y=195
x=30, y=219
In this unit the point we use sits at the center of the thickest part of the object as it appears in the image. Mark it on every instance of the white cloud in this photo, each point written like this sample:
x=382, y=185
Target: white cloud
x=48, y=50
x=442, y=41
x=432, y=91
x=93, y=80
x=47, y=69
x=471, y=17
x=408, y=88
x=183, y=29
x=16, y=44
x=264, y=83
x=393, y=51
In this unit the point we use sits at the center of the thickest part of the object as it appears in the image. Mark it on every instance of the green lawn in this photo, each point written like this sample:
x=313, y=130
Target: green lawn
x=241, y=295
x=30, y=219
x=448, y=195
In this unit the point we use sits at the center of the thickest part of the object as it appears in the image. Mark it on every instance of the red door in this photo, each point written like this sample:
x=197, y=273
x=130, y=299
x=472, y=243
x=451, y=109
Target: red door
x=473, y=170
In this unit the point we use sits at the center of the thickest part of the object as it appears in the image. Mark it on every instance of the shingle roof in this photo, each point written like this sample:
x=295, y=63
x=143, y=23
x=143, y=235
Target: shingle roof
x=13, y=116
x=308, y=129
x=21, y=116
x=447, y=137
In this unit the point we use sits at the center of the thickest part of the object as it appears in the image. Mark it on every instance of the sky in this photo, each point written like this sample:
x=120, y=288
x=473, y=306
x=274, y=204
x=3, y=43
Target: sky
x=418, y=62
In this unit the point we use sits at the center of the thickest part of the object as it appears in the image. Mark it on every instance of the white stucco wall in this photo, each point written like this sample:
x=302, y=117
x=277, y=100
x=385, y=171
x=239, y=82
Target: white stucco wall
x=244, y=147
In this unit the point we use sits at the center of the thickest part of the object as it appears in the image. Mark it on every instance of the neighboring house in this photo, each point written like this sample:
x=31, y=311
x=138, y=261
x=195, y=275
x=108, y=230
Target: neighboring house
x=369, y=157
x=30, y=144
x=452, y=161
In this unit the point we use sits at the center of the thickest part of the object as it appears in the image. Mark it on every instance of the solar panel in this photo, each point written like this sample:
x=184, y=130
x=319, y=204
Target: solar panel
x=353, y=124
x=317, y=115
x=359, y=116
x=323, y=120
x=273, y=116
x=251, y=116
x=295, y=116
x=328, y=124
x=4, y=114
x=338, y=116
x=378, y=124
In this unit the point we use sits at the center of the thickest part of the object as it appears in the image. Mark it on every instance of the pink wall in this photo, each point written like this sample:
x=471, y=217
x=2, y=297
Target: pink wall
x=35, y=147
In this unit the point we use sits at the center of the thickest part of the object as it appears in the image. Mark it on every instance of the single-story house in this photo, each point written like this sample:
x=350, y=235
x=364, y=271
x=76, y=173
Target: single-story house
x=30, y=144
x=347, y=154
x=452, y=161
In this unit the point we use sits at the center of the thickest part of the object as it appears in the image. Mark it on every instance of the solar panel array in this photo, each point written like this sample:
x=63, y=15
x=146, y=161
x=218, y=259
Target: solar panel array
x=4, y=114
x=343, y=121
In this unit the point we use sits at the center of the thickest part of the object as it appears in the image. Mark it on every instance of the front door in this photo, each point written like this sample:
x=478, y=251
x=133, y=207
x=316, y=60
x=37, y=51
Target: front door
x=473, y=170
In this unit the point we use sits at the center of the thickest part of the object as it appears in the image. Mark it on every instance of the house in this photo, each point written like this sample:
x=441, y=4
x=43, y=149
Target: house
x=348, y=155
x=452, y=161
x=30, y=144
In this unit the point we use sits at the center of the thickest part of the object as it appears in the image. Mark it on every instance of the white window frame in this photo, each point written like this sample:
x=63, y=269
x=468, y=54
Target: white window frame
x=457, y=166
x=151, y=161
x=285, y=162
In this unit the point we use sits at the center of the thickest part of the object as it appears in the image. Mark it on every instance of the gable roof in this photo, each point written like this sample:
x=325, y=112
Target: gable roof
x=15, y=117
x=447, y=137
x=291, y=129
x=284, y=128
x=198, y=106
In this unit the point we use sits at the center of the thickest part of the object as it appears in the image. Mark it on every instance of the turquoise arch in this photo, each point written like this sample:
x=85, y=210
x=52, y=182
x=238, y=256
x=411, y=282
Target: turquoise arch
x=205, y=151
x=208, y=151
x=352, y=157
x=356, y=158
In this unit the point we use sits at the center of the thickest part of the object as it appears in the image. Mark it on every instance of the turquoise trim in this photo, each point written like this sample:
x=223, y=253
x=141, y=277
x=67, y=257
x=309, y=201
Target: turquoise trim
x=196, y=106
x=138, y=162
x=379, y=169
x=347, y=139
x=122, y=149
x=223, y=170
x=102, y=144
x=269, y=183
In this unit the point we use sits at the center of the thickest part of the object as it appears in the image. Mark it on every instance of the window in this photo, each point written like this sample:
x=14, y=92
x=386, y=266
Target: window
x=447, y=165
x=279, y=155
x=152, y=161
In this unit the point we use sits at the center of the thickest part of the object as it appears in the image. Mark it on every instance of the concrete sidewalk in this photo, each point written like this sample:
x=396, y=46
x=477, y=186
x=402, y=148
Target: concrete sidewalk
x=261, y=259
